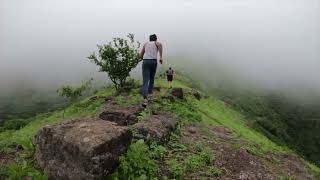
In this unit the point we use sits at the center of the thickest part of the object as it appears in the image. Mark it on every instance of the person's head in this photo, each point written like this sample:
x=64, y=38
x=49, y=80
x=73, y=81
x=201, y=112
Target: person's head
x=170, y=68
x=153, y=37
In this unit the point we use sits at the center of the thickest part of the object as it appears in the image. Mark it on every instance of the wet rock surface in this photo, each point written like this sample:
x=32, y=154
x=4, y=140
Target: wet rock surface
x=155, y=127
x=122, y=116
x=81, y=149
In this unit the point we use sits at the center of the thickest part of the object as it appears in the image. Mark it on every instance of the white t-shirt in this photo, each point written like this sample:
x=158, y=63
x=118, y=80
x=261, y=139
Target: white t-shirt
x=151, y=50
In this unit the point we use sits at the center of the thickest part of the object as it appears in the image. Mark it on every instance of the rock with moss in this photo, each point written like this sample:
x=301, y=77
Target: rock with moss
x=196, y=94
x=122, y=116
x=155, y=128
x=81, y=149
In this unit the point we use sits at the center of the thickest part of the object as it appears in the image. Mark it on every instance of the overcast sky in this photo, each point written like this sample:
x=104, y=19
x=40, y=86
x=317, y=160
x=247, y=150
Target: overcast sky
x=271, y=43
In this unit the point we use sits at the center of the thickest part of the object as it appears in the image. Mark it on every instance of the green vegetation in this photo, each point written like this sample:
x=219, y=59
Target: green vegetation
x=213, y=172
x=84, y=108
x=73, y=93
x=139, y=162
x=13, y=124
x=147, y=161
x=117, y=59
x=288, y=122
x=286, y=177
x=24, y=103
x=201, y=157
x=25, y=165
x=20, y=170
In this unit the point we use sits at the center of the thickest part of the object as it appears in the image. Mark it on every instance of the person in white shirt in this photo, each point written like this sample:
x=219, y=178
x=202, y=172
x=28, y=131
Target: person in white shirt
x=149, y=54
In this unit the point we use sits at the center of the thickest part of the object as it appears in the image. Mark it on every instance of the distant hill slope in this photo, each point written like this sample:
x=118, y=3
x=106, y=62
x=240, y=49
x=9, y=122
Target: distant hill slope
x=212, y=141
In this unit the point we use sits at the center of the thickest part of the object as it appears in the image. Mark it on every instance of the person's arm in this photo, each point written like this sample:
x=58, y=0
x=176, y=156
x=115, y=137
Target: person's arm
x=160, y=51
x=142, y=51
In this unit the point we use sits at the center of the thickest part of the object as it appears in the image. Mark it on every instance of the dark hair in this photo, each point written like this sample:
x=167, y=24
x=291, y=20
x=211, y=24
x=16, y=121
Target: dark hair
x=153, y=37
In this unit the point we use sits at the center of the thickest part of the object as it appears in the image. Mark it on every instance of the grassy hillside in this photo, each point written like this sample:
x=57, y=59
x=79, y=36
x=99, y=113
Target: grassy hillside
x=210, y=131
x=290, y=122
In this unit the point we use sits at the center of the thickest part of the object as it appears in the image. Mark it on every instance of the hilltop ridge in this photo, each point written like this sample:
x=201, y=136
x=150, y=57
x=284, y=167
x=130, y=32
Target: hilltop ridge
x=211, y=141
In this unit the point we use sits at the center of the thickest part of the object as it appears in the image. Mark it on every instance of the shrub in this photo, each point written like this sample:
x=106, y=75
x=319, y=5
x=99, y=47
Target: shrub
x=117, y=58
x=14, y=124
x=73, y=93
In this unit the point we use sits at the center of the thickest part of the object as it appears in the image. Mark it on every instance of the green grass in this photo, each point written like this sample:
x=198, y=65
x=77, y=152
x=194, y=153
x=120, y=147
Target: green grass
x=139, y=162
x=213, y=171
x=133, y=98
x=84, y=108
x=216, y=112
x=197, y=157
x=176, y=84
x=26, y=165
x=209, y=111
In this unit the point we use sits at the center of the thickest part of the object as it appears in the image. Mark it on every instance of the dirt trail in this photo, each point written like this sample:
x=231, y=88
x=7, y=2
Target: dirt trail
x=236, y=161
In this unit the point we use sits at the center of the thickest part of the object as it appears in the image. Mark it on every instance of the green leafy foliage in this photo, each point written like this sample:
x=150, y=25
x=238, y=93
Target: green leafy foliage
x=205, y=153
x=83, y=108
x=157, y=151
x=139, y=162
x=21, y=170
x=202, y=157
x=13, y=124
x=213, y=171
x=73, y=93
x=117, y=58
x=286, y=177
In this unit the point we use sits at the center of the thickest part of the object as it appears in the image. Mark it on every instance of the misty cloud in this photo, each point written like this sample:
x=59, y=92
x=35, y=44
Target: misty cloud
x=269, y=43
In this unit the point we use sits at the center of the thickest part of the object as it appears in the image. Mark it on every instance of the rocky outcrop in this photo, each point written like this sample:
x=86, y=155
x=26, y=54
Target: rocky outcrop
x=122, y=116
x=81, y=149
x=155, y=127
x=177, y=92
x=196, y=94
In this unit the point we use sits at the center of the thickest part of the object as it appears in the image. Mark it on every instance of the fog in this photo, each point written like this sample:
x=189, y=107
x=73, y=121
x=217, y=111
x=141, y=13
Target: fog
x=270, y=44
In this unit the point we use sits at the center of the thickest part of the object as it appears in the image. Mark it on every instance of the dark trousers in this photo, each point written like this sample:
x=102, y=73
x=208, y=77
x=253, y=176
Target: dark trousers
x=149, y=68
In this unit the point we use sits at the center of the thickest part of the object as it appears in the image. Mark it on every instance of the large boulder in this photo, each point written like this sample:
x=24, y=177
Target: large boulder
x=177, y=92
x=122, y=116
x=85, y=149
x=155, y=128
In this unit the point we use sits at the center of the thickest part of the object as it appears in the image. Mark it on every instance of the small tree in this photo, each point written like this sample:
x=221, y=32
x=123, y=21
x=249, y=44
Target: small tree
x=73, y=93
x=117, y=58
